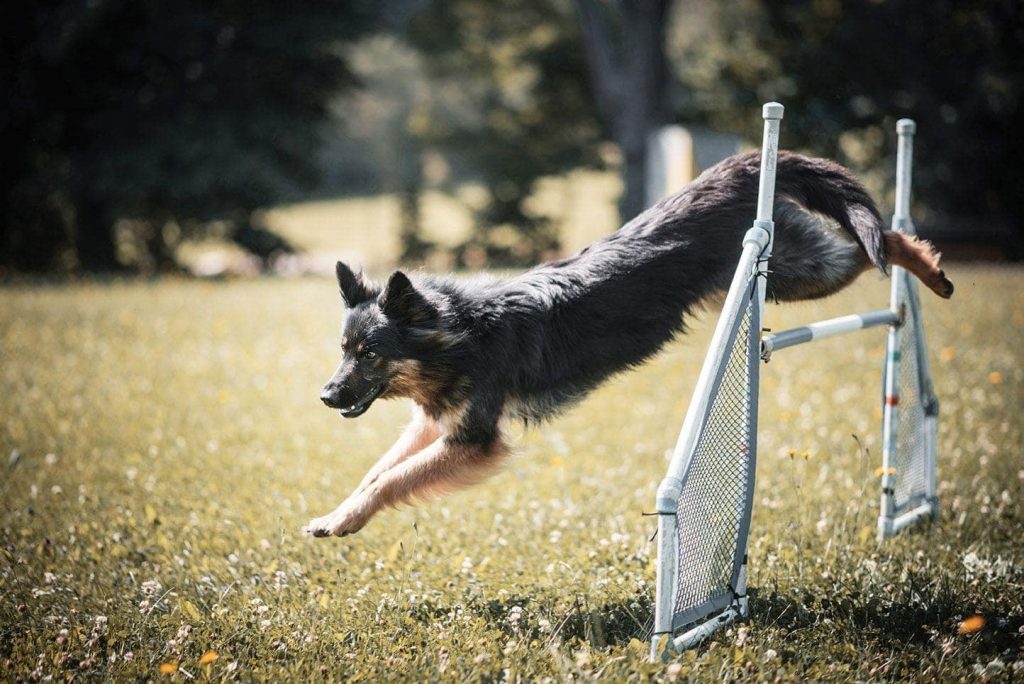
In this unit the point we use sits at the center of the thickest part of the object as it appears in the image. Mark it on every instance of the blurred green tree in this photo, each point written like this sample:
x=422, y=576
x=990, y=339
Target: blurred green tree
x=376, y=140
x=848, y=70
x=513, y=78
x=169, y=114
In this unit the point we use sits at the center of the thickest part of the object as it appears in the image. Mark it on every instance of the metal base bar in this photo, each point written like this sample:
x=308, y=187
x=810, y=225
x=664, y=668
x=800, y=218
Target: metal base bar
x=887, y=527
x=925, y=510
x=827, y=328
x=701, y=632
x=890, y=526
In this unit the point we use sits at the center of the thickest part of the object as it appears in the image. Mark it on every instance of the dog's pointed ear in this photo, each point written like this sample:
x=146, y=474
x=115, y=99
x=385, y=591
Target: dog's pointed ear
x=355, y=288
x=402, y=302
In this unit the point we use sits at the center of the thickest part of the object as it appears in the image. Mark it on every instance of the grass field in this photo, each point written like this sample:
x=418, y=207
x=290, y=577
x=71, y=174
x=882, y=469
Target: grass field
x=163, y=443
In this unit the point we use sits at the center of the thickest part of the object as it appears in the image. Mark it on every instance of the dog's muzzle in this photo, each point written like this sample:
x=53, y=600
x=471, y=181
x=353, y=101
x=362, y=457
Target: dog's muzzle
x=355, y=409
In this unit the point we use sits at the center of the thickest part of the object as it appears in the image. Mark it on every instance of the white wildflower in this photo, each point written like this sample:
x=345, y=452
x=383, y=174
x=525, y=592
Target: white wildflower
x=977, y=567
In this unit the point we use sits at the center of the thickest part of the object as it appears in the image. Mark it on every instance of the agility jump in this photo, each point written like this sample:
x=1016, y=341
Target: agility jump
x=704, y=503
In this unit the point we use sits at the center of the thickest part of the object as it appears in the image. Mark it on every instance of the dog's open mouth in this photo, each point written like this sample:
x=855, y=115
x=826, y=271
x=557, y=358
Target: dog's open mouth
x=359, y=408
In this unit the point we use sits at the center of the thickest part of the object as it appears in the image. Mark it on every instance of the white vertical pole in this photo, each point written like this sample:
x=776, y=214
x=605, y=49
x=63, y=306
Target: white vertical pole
x=931, y=482
x=667, y=566
x=890, y=416
x=772, y=114
x=905, y=129
x=756, y=247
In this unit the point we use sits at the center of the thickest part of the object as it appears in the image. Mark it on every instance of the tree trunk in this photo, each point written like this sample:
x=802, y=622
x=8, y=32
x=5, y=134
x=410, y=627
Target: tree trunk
x=628, y=74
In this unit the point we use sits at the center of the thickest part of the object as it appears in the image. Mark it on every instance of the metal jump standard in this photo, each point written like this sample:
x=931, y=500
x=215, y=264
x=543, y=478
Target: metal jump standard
x=704, y=503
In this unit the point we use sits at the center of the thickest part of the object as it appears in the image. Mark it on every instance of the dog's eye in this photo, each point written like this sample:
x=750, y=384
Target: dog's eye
x=367, y=354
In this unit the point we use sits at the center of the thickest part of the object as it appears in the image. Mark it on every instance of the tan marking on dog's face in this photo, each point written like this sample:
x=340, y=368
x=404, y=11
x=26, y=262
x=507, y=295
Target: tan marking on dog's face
x=406, y=380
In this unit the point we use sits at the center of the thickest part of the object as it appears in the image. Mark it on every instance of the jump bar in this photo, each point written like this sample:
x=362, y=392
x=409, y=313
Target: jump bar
x=828, y=328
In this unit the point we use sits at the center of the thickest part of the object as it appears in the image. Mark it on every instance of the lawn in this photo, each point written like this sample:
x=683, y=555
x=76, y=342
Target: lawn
x=163, y=443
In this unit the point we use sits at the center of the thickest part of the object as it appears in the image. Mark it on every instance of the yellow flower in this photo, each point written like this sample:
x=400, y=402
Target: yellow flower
x=995, y=377
x=209, y=657
x=168, y=668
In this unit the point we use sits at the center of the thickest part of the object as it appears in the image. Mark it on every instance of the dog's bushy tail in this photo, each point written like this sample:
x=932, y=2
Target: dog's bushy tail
x=827, y=188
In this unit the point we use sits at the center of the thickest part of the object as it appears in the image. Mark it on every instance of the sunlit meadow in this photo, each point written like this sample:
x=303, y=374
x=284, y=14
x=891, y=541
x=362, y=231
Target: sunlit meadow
x=163, y=443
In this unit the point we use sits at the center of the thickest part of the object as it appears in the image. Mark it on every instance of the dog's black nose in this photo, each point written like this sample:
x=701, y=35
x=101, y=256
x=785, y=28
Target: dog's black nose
x=329, y=399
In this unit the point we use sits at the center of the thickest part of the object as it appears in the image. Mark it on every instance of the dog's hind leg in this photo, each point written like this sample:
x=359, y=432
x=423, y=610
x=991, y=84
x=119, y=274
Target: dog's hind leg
x=812, y=257
x=444, y=465
x=920, y=258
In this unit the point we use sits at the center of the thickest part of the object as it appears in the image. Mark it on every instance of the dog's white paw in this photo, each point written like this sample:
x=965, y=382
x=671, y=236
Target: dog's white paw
x=348, y=518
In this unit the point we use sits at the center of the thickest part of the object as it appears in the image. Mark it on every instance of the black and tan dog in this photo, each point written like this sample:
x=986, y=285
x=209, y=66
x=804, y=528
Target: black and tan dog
x=469, y=353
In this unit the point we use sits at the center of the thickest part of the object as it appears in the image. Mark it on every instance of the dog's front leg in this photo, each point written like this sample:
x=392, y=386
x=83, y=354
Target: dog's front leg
x=416, y=437
x=444, y=465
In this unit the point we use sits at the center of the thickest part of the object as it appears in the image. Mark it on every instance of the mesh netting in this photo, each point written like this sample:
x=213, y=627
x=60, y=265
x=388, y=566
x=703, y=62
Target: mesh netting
x=909, y=484
x=717, y=485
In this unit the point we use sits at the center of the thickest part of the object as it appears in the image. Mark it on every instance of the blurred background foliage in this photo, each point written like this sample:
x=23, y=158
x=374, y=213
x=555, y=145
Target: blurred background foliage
x=132, y=128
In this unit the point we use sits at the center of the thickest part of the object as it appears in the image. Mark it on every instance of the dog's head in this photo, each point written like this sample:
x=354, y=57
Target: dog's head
x=375, y=339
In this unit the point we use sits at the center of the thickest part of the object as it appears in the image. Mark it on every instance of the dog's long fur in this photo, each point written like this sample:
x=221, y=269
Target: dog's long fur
x=470, y=353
